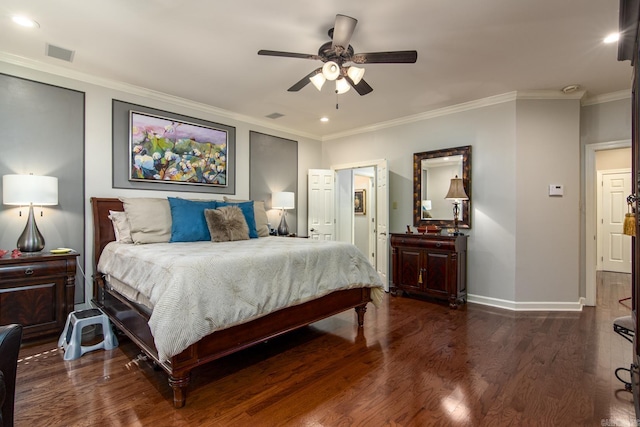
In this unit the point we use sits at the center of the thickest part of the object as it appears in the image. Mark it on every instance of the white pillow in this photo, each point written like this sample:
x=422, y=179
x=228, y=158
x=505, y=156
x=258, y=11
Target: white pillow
x=149, y=219
x=121, y=227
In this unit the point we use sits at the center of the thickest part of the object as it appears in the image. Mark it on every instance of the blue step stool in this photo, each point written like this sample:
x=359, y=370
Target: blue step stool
x=71, y=338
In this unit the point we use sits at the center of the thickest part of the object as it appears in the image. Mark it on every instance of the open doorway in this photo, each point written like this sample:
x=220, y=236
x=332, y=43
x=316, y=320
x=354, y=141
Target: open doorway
x=607, y=166
x=356, y=209
x=367, y=225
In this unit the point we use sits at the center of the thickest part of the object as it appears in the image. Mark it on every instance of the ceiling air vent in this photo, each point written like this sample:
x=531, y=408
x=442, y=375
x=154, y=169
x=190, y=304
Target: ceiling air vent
x=59, y=53
x=275, y=115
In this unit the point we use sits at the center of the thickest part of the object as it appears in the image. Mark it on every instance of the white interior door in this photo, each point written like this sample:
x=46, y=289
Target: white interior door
x=321, y=204
x=616, y=247
x=382, y=222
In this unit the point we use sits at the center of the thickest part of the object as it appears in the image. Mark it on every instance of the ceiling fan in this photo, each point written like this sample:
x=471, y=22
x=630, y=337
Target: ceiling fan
x=337, y=53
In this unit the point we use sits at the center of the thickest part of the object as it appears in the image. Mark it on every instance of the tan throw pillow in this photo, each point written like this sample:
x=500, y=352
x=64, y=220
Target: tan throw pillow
x=226, y=224
x=121, y=227
x=149, y=219
x=260, y=214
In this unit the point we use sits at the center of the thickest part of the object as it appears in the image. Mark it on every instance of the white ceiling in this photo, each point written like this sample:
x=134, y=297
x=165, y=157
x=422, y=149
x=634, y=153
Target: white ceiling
x=206, y=51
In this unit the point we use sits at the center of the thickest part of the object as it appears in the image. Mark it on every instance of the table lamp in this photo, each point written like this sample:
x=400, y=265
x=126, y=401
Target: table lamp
x=456, y=193
x=22, y=190
x=283, y=200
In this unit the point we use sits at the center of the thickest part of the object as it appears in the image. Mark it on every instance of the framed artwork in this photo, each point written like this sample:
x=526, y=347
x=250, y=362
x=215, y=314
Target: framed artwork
x=174, y=151
x=160, y=150
x=359, y=202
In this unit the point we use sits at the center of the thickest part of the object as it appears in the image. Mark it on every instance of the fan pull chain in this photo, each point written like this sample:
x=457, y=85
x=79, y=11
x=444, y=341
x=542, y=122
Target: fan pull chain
x=336, y=99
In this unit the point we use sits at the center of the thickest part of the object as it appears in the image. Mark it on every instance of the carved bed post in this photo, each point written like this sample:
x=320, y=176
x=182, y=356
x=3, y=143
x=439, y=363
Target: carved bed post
x=360, y=310
x=179, y=386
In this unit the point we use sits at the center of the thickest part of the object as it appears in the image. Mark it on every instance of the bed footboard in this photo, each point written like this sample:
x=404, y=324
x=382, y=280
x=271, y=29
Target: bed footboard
x=133, y=322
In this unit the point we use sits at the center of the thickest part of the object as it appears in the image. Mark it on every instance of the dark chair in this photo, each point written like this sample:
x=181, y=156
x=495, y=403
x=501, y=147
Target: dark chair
x=624, y=327
x=10, y=340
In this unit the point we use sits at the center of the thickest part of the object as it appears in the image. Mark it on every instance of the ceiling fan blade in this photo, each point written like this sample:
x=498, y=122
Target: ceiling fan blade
x=397, y=57
x=362, y=87
x=287, y=54
x=343, y=30
x=304, y=81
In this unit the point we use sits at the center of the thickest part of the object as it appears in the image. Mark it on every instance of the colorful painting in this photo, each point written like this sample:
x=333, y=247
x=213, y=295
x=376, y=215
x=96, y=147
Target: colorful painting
x=172, y=151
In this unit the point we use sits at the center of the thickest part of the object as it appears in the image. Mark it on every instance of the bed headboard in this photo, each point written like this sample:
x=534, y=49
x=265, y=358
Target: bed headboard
x=102, y=227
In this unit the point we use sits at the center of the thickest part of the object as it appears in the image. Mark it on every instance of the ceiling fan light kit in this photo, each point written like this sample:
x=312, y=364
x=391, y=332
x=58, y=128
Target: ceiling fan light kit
x=355, y=74
x=336, y=55
x=318, y=80
x=331, y=70
x=342, y=86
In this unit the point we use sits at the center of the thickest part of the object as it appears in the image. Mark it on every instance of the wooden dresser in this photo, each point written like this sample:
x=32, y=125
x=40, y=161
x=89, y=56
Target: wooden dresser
x=430, y=265
x=37, y=291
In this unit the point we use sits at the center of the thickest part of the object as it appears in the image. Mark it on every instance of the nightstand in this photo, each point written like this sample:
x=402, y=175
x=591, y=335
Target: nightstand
x=37, y=291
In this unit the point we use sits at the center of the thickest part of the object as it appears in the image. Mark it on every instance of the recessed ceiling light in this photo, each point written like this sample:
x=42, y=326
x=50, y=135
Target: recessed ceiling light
x=612, y=38
x=324, y=119
x=25, y=22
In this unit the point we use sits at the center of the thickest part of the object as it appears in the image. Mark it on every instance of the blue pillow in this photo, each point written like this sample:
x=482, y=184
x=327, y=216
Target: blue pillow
x=249, y=215
x=188, y=223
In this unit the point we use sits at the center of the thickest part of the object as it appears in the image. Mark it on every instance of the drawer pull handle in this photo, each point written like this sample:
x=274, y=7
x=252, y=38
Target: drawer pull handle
x=420, y=277
x=28, y=271
x=438, y=244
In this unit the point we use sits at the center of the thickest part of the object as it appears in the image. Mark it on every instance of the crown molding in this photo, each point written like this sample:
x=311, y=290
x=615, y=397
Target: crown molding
x=485, y=102
x=144, y=92
x=607, y=97
x=68, y=73
x=445, y=111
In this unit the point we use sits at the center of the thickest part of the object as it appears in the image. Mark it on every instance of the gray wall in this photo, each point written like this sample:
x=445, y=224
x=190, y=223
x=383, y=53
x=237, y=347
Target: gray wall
x=490, y=128
x=599, y=123
x=491, y=131
x=273, y=167
x=43, y=134
x=98, y=148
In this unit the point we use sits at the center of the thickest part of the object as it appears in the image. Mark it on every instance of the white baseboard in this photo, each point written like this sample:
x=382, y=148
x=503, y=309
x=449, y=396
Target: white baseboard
x=527, y=305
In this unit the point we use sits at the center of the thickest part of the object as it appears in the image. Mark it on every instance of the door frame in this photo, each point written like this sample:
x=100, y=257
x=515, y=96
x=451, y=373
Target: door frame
x=590, y=223
x=375, y=164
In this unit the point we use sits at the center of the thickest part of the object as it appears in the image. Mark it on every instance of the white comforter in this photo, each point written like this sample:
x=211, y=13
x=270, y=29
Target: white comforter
x=200, y=287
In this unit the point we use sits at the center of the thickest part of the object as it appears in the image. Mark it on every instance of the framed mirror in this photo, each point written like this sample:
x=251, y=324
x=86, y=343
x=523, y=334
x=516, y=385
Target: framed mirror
x=432, y=174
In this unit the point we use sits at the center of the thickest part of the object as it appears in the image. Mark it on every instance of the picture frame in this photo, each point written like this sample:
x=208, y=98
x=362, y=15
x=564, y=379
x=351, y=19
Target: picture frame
x=176, y=151
x=124, y=152
x=360, y=202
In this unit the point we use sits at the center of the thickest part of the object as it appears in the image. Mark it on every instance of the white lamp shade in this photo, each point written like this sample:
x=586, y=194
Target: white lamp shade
x=318, y=80
x=342, y=86
x=356, y=74
x=456, y=190
x=331, y=70
x=25, y=189
x=283, y=200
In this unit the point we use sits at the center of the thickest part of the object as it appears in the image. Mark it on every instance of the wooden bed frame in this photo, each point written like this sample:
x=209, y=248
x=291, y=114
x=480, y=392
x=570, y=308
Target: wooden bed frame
x=132, y=320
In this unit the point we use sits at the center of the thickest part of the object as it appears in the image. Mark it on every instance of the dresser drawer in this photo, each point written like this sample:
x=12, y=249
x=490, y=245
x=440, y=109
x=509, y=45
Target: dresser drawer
x=13, y=272
x=421, y=242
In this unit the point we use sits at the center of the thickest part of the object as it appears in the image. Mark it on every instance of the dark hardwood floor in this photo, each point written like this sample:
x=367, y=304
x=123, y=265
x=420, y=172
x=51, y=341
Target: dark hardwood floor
x=416, y=363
